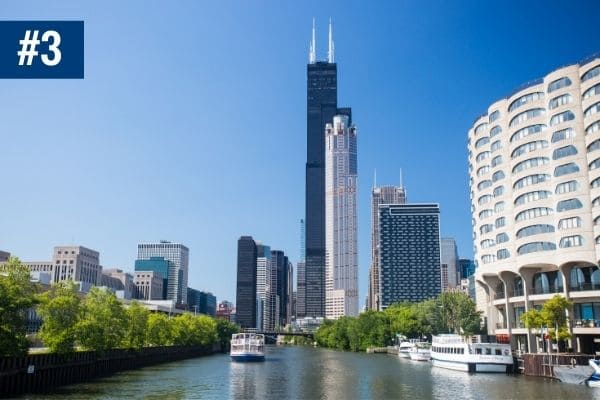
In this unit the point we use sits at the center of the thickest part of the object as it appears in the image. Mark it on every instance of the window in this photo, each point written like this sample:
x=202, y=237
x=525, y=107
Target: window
x=595, y=164
x=495, y=131
x=569, y=223
x=500, y=222
x=591, y=110
x=596, y=202
x=488, y=258
x=501, y=238
x=595, y=145
x=480, y=128
x=483, y=141
x=566, y=187
x=565, y=169
x=496, y=176
x=484, y=184
x=530, y=163
x=595, y=183
x=529, y=147
x=567, y=205
x=528, y=98
x=560, y=100
x=486, y=198
x=497, y=145
x=502, y=254
x=531, y=180
x=559, y=84
x=591, y=73
x=499, y=206
x=498, y=191
x=494, y=116
x=562, y=152
x=597, y=220
x=563, y=134
x=595, y=127
x=570, y=241
x=532, y=213
x=532, y=196
x=487, y=243
x=526, y=115
x=496, y=161
x=534, y=230
x=486, y=213
x=527, y=131
x=486, y=228
x=483, y=170
x=591, y=91
x=535, y=247
x=482, y=156
x=562, y=117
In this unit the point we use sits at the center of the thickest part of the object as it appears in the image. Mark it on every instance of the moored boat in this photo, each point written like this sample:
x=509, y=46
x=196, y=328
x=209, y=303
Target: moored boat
x=247, y=347
x=594, y=380
x=421, y=352
x=406, y=347
x=469, y=354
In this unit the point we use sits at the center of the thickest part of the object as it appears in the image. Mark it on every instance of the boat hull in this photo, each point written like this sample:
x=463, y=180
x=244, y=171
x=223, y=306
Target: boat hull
x=247, y=357
x=403, y=354
x=470, y=367
x=420, y=356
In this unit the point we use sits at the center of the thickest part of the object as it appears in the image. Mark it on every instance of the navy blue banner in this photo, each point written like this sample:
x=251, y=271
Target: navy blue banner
x=41, y=50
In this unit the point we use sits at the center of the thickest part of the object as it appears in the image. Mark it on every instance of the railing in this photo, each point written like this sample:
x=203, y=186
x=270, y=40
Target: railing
x=517, y=293
x=500, y=325
x=551, y=290
x=499, y=295
x=586, y=323
x=585, y=286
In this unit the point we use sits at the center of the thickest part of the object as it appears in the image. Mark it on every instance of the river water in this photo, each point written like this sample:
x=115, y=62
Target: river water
x=312, y=373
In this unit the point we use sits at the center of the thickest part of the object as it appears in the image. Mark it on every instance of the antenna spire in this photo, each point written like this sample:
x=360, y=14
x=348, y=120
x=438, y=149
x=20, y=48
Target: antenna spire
x=330, y=53
x=312, y=55
x=401, y=184
x=375, y=178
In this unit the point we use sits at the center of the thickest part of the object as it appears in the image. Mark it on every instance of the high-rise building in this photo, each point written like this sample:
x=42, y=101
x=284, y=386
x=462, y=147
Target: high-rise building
x=120, y=282
x=160, y=266
x=535, y=201
x=409, y=252
x=246, y=282
x=149, y=285
x=301, y=277
x=341, y=249
x=77, y=263
x=449, y=266
x=321, y=107
x=379, y=195
x=4, y=256
x=263, y=274
x=178, y=255
x=282, y=265
x=466, y=267
x=201, y=302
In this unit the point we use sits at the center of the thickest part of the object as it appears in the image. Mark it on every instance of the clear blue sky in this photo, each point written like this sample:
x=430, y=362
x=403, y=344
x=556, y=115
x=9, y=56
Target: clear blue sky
x=190, y=124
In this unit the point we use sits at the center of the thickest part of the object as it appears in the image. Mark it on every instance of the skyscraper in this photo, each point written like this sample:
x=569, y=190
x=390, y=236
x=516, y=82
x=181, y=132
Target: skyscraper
x=379, y=195
x=409, y=253
x=282, y=265
x=341, y=255
x=263, y=275
x=321, y=107
x=301, y=278
x=246, y=282
x=178, y=255
x=449, y=265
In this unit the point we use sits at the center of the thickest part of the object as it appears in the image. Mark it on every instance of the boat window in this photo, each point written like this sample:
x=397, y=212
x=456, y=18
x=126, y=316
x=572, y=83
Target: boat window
x=498, y=352
x=488, y=351
x=477, y=351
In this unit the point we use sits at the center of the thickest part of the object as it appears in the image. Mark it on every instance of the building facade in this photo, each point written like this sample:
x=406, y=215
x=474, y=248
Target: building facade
x=409, y=253
x=4, y=256
x=201, y=302
x=301, y=277
x=178, y=255
x=379, y=195
x=77, y=263
x=263, y=275
x=246, y=282
x=535, y=201
x=449, y=267
x=341, y=248
x=120, y=282
x=466, y=267
x=160, y=266
x=224, y=310
x=149, y=285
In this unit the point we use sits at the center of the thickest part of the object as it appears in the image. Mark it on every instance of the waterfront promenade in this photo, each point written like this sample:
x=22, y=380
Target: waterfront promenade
x=295, y=372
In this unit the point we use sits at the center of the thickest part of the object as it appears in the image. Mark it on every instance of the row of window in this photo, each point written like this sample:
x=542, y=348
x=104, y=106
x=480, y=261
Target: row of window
x=593, y=109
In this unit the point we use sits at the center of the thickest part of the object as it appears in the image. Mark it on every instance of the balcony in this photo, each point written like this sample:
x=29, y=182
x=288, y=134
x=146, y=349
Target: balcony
x=499, y=295
x=548, y=290
x=586, y=323
x=517, y=293
x=585, y=286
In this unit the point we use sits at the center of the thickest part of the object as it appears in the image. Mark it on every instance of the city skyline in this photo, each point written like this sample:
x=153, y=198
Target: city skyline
x=120, y=146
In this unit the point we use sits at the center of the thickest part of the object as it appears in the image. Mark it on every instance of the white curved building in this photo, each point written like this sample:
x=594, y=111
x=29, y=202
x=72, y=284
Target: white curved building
x=534, y=161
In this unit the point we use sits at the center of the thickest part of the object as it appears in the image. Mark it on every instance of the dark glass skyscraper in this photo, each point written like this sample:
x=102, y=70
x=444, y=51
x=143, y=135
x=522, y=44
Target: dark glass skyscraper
x=246, y=282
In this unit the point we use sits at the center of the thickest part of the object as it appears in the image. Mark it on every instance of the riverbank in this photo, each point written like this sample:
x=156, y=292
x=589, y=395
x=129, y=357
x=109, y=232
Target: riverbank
x=41, y=372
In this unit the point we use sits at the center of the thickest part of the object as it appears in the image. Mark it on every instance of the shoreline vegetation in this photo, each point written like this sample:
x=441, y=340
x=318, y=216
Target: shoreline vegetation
x=96, y=322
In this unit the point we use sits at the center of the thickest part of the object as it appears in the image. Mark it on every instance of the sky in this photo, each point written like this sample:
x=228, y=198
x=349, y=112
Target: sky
x=190, y=124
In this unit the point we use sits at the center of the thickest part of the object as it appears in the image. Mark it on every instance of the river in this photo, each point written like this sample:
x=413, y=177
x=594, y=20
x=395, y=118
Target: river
x=312, y=373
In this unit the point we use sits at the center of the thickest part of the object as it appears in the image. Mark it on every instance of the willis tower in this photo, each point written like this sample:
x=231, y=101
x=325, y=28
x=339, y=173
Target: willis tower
x=321, y=108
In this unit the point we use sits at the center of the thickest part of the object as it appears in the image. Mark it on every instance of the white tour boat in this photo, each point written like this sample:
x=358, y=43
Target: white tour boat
x=420, y=352
x=406, y=347
x=470, y=355
x=247, y=347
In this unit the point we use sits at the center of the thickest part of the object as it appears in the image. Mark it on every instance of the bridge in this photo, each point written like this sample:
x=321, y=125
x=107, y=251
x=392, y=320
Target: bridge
x=310, y=335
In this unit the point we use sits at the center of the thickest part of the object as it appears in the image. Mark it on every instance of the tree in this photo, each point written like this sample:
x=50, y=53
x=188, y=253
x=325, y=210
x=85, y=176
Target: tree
x=137, y=322
x=533, y=319
x=404, y=319
x=101, y=324
x=554, y=314
x=159, y=331
x=224, y=331
x=458, y=313
x=60, y=309
x=190, y=330
x=17, y=294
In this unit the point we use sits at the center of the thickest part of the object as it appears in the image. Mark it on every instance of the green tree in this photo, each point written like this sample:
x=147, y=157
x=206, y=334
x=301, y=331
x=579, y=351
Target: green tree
x=189, y=330
x=101, y=325
x=533, y=319
x=404, y=319
x=159, y=330
x=554, y=314
x=17, y=294
x=458, y=313
x=224, y=331
x=137, y=322
x=60, y=309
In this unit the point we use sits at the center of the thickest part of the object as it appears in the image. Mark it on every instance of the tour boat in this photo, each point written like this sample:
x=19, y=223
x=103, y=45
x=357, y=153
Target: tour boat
x=247, y=347
x=594, y=380
x=405, y=347
x=469, y=354
x=420, y=352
